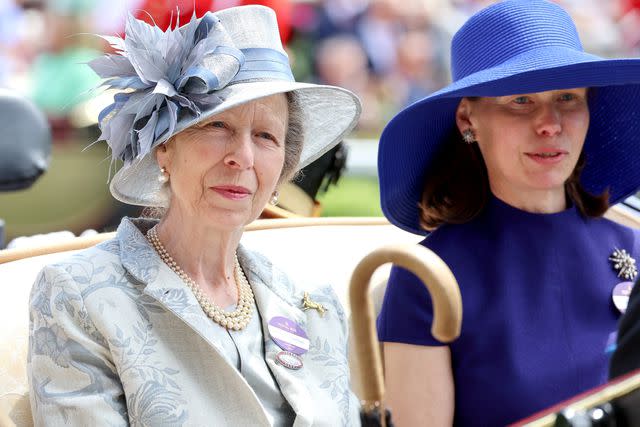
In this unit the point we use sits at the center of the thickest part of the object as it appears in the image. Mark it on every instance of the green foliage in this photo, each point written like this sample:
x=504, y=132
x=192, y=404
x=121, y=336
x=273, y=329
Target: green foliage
x=353, y=196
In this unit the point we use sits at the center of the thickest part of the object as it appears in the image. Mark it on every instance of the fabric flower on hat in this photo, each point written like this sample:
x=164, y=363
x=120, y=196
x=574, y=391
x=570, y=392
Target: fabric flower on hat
x=163, y=75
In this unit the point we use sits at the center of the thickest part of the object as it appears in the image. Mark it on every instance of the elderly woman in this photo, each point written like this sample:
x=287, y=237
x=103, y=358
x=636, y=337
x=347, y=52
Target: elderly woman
x=512, y=167
x=174, y=322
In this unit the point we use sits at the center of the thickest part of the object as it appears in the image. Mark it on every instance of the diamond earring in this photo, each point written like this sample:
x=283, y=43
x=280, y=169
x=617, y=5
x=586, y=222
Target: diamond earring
x=468, y=136
x=164, y=176
x=274, y=198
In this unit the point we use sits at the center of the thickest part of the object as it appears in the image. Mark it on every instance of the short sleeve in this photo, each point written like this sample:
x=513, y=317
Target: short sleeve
x=407, y=311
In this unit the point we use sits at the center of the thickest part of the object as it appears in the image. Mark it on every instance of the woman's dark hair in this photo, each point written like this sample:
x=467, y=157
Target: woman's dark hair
x=458, y=188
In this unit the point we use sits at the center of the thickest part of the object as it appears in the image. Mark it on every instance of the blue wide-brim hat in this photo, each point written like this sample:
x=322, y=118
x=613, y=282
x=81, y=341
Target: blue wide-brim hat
x=516, y=47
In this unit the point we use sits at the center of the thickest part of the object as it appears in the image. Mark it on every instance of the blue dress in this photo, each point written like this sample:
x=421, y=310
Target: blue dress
x=537, y=308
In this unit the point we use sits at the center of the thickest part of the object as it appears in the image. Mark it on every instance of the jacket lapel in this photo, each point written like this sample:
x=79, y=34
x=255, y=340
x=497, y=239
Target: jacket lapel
x=163, y=286
x=274, y=297
x=161, y=283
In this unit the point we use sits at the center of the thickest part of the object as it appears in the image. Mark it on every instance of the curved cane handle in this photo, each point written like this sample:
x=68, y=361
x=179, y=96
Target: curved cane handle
x=445, y=294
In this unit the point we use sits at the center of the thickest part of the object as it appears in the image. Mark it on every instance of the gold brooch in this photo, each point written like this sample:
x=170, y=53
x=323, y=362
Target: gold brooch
x=624, y=264
x=308, y=304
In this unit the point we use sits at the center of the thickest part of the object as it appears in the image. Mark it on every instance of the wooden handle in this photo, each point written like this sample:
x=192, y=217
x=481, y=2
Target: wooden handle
x=445, y=294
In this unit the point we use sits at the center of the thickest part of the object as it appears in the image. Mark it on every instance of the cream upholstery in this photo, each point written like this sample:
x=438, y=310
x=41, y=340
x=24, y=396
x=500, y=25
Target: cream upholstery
x=329, y=246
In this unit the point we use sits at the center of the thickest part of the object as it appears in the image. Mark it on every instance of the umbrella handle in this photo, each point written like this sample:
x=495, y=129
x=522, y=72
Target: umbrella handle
x=447, y=308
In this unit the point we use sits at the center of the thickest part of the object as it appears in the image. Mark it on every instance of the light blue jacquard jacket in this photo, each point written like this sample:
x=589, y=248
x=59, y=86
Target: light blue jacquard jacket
x=117, y=339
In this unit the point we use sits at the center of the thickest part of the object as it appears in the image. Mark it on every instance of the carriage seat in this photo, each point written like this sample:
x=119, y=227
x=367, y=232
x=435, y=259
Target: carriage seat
x=329, y=247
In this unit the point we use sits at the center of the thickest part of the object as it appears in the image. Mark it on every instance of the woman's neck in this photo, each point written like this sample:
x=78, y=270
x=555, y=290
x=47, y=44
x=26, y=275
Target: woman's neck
x=533, y=201
x=206, y=254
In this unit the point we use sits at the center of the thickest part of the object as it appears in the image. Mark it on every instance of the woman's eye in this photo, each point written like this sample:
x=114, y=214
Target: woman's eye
x=216, y=124
x=521, y=100
x=567, y=97
x=268, y=136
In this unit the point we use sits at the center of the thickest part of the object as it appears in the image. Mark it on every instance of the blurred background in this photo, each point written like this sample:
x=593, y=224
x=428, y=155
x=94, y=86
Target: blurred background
x=389, y=52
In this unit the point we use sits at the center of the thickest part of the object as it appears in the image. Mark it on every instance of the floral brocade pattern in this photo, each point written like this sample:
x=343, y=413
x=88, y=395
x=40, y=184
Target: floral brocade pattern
x=157, y=402
x=116, y=339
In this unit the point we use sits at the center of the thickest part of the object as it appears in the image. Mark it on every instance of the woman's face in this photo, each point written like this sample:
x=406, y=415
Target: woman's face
x=530, y=142
x=224, y=170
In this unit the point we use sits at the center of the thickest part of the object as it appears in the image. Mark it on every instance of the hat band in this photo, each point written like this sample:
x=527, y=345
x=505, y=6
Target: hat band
x=195, y=91
x=264, y=64
x=255, y=64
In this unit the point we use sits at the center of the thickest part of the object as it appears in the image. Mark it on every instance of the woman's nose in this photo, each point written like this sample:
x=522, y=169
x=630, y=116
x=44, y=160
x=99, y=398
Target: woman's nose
x=549, y=121
x=240, y=152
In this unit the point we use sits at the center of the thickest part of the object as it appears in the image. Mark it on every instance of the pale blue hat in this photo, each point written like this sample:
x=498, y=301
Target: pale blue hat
x=172, y=80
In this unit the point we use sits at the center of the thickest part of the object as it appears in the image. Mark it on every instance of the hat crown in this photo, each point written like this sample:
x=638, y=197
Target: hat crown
x=251, y=26
x=171, y=80
x=507, y=29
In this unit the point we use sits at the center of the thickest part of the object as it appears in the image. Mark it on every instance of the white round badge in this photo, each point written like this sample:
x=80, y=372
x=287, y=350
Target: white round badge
x=289, y=360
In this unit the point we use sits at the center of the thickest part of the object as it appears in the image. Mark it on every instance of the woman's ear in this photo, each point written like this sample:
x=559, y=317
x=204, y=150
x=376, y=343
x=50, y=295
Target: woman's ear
x=163, y=155
x=463, y=113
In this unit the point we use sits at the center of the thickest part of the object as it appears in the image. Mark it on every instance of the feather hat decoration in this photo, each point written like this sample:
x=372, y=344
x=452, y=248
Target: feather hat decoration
x=164, y=74
x=170, y=80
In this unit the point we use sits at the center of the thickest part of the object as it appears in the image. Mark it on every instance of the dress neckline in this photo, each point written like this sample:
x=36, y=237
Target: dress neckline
x=504, y=211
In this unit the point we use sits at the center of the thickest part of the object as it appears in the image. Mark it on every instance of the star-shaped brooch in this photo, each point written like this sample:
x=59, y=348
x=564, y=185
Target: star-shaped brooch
x=624, y=264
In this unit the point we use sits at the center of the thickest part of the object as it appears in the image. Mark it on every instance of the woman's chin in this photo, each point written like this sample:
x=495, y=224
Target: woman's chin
x=225, y=218
x=552, y=180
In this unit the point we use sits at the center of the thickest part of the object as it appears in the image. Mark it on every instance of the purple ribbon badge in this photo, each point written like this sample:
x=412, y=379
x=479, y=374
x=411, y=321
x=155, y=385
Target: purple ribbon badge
x=288, y=335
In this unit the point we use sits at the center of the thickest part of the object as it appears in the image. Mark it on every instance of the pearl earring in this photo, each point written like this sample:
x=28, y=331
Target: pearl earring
x=274, y=198
x=468, y=136
x=164, y=176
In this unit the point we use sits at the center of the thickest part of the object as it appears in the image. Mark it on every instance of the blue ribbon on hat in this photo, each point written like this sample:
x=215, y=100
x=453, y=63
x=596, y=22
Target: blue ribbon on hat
x=261, y=63
x=189, y=82
x=168, y=77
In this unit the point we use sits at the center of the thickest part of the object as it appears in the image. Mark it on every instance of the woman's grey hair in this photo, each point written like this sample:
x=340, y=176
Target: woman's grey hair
x=294, y=141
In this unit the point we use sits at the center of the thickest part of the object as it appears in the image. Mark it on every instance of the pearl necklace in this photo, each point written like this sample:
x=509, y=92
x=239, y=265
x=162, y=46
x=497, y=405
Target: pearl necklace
x=237, y=319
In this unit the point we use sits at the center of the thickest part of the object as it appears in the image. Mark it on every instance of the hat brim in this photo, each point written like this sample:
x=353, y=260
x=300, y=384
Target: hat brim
x=329, y=114
x=412, y=139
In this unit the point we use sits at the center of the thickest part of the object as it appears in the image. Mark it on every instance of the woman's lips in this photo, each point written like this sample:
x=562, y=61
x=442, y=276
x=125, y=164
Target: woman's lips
x=232, y=192
x=547, y=157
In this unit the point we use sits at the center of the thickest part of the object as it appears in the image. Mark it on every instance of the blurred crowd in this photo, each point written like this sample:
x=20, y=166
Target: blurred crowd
x=389, y=52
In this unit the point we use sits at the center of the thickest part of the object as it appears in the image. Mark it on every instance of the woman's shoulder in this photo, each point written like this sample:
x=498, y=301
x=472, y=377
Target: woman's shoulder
x=127, y=246
x=281, y=280
x=104, y=252
x=606, y=226
x=289, y=288
x=77, y=270
x=458, y=238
